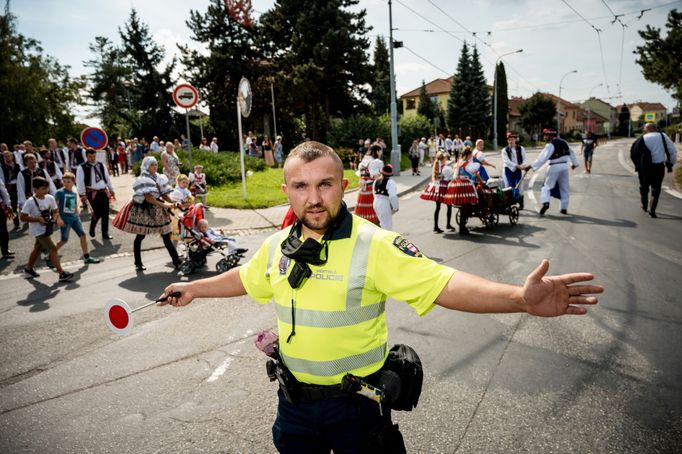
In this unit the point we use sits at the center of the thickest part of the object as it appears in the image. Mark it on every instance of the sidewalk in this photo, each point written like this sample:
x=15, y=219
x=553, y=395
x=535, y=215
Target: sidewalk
x=243, y=221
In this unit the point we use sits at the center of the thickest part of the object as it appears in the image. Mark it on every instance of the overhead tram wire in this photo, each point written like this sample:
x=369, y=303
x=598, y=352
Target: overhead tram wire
x=601, y=49
x=427, y=61
x=429, y=21
x=523, y=79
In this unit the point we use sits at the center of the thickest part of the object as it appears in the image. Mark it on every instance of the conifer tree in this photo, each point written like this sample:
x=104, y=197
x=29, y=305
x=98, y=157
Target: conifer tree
x=502, y=104
x=150, y=89
x=459, y=101
x=479, y=111
x=426, y=107
x=381, y=83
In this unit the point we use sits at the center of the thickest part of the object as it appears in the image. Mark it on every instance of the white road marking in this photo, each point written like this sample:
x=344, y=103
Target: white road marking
x=220, y=370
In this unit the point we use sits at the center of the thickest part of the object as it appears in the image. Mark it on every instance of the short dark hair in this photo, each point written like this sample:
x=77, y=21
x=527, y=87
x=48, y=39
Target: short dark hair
x=310, y=150
x=90, y=151
x=39, y=182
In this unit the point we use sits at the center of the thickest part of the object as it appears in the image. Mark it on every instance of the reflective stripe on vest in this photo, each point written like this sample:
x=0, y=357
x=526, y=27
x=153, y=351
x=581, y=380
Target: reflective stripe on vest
x=353, y=314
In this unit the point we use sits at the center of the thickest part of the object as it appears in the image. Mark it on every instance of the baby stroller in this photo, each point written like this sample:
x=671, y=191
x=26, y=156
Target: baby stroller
x=197, y=246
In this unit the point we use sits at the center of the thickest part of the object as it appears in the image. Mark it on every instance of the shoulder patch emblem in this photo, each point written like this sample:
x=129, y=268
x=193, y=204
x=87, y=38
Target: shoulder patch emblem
x=406, y=246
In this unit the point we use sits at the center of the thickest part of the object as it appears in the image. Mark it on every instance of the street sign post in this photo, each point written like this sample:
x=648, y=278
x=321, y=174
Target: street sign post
x=186, y=96
x=94, y=138
x=244, y=97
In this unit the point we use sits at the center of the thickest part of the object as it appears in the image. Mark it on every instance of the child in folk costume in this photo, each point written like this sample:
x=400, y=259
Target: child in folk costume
x=369, y=169
x=462, y=190
x=441, y=174
x=514, y=160
x=479, y=157
x=385, y=197
x=198, y=184
x=181, y=194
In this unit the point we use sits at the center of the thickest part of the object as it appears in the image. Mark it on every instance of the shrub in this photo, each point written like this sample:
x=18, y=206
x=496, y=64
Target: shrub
x=347, y=132
x=220, y=168
x=413, y=127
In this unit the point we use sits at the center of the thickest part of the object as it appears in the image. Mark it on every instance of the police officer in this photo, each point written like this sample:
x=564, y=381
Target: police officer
x=559, y=155
x=333, y=322
x=94, y=186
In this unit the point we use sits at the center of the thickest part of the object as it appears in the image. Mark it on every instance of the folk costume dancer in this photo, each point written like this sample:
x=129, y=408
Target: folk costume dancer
x=461, y=191
x=560, y=156
x=385, y=198
x=369, y=168
x=95, y=188
x=441, y=175
x=514, y=161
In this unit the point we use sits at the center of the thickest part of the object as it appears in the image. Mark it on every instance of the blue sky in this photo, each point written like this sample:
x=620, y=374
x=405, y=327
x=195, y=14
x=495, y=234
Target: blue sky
x=554, y=38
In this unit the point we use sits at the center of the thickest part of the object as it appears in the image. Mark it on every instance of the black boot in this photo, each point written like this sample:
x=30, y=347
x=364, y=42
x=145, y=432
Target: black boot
x=545, y=207
x=645, y=203
x=654, y=204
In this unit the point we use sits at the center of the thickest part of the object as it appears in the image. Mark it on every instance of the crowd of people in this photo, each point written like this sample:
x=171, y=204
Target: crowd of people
x=48, y=187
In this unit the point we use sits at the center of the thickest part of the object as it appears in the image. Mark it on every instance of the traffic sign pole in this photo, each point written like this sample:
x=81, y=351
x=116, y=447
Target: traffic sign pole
x=241, y=147
x=188, y=139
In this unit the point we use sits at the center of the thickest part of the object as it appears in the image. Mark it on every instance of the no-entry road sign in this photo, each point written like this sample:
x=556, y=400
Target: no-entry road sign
x=94, y=138
x=185, y=96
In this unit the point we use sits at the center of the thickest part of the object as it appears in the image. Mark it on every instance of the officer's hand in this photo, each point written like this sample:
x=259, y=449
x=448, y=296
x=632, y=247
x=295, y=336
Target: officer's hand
x=550, y=296
x=574, y=167
x=184, y=299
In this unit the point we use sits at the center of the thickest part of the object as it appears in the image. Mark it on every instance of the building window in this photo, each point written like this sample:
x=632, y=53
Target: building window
x=411, y=104
x=434, y=100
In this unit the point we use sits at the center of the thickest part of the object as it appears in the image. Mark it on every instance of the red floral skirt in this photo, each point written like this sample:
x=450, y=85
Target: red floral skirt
x=461, y=191
x=365, y=204
x=435, y=191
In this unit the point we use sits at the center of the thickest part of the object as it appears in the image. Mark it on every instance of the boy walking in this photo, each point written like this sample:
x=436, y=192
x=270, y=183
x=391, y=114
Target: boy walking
x=67, y=201
x=40, y=211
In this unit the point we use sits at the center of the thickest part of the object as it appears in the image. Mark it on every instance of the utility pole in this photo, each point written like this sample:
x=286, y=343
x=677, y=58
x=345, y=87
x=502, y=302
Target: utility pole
x=395, y=148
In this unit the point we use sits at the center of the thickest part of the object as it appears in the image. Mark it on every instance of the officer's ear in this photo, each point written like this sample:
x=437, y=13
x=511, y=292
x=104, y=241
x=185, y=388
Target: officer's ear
x=284, y=188
x=344, y=183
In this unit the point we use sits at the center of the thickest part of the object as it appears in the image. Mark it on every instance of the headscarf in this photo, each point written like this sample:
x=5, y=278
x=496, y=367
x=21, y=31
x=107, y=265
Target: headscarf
x=146, y=163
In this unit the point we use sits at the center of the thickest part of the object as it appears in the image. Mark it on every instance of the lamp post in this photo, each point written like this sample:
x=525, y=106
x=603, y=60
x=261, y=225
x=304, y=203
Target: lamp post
x=589, y=111
x=495, y=97
x=558, y=104
x=395, y=148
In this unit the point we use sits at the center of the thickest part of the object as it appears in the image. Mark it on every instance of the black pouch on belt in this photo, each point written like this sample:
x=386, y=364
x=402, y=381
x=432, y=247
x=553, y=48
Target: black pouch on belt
x=287, y=382
x=404, y=362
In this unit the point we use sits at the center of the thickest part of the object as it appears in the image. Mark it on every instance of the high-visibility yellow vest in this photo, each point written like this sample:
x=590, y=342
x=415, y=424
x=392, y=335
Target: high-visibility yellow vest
x=338, y=312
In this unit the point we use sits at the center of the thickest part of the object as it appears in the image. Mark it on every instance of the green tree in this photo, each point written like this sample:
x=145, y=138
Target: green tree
x=108, y=90
x=318, y=50
x=381, y=82
x=459, y=101
x=660, y=57
x=150, y=89
x=502, y=104
x=38, y=95
x=426, y=108
x=413, y=127
x=478, y=115
x=537, y=112
x=232, y=53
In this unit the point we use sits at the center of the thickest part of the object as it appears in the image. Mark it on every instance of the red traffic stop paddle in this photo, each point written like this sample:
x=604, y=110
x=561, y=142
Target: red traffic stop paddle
x=119, y=316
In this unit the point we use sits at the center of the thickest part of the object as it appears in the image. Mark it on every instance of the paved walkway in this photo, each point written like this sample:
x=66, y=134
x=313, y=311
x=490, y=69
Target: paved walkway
x=242, y=221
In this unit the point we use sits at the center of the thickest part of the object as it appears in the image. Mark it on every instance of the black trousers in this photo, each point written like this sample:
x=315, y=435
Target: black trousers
x=4, y=234
x=100, y=207
x=415, y=163
x=137, y=249
x=437, y=212
x=344, y=425
x=651, y=177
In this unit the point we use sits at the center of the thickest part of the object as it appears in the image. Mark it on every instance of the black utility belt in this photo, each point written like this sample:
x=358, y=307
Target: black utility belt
x=554, y=163
x=397, y=384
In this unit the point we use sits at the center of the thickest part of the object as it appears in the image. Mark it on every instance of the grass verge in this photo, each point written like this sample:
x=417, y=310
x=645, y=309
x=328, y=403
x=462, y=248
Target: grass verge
x=263, y=190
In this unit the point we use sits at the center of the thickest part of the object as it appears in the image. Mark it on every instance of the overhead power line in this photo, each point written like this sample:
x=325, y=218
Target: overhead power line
x=427, y=61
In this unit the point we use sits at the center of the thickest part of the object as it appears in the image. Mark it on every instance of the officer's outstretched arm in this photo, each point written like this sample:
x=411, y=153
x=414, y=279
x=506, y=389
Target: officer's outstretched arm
x=545, y=296
x=221, y=286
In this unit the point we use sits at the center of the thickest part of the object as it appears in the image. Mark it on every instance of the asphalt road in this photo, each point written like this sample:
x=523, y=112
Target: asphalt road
x=191, y=380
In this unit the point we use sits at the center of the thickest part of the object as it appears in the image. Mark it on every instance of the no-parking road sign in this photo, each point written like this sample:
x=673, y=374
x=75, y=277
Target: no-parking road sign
x=94, y=138
x=185, y=96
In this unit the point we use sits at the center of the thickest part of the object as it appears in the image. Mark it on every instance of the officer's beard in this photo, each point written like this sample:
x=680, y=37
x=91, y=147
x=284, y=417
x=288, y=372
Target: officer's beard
x=319, y=224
